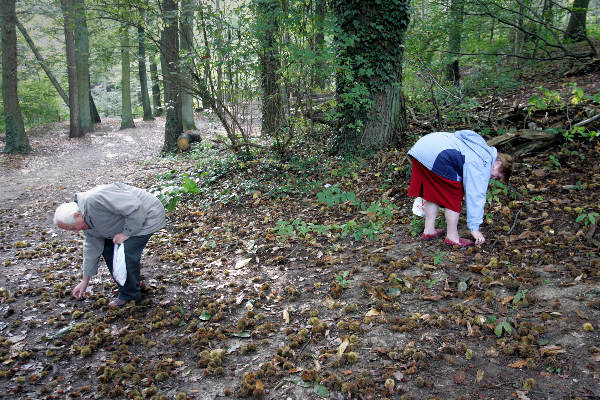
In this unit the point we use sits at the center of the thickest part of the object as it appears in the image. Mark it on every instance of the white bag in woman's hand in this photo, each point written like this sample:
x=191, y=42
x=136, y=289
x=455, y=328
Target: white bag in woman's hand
x=119, y=267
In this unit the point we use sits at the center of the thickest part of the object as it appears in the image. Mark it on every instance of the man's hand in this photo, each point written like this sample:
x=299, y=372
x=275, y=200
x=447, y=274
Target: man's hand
x=119, y=238
x=79, y=290
x=479, y=239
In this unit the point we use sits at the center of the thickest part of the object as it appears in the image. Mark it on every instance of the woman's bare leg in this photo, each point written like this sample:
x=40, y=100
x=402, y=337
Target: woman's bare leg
x=431, y=210
x=452, y=225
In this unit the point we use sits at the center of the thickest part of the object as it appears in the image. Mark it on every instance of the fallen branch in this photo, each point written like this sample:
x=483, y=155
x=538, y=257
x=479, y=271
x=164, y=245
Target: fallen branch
x=587, y=121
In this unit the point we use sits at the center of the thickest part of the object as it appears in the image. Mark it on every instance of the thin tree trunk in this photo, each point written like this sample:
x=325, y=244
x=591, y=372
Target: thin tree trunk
x=74, y=116
x=170, y=49
x=143, y=75
x=271, y=108
x=82, y=50
x=454, y=41
x=319, y=71
x=42, y=63
x=95, y=115
x=126, y=115
x=158, y=110
x=16, y=138
x=185, y=40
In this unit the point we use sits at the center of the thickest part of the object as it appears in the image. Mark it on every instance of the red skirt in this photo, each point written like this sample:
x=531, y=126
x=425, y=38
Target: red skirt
x=434, y=188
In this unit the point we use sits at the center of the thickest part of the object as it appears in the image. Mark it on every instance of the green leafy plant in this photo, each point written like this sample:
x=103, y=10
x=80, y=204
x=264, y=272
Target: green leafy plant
x=341, y=279
x=553, y=161
x=439, y=257
x=519, y=296
x=416, y=225
x=586, y=218
x=495, y=190
x=503, y=326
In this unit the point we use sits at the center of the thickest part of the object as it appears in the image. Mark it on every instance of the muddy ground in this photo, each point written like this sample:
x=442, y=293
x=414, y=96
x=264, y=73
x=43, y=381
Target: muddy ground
x=237, y=306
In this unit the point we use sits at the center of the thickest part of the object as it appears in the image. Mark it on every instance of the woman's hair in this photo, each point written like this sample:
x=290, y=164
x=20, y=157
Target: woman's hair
x=65, y=213
x=506, y=165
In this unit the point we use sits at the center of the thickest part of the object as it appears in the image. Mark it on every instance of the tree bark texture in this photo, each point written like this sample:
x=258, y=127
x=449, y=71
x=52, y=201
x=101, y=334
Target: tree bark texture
x=74, y=117
x=271, y=104
x=185, y=40
x=82, y=53
x=16, y=138
x=126, y=115
x=170, y=49
x=156, y=102
x=143, y=75
x=576, y=29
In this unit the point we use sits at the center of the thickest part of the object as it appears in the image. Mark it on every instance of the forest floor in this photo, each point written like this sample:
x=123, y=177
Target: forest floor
x=301, y=279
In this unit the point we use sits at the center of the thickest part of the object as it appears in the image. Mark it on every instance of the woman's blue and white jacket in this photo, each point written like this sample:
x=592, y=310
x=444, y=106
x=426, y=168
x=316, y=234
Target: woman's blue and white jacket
x=460, y=156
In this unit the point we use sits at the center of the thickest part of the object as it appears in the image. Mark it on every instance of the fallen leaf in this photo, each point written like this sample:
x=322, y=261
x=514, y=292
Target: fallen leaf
x=518, y=364
x=342, y=348
x=552, y=350
x=372, y=313
x=286, y=316
x=242, y=263
x=480, y=374
x=460, y=377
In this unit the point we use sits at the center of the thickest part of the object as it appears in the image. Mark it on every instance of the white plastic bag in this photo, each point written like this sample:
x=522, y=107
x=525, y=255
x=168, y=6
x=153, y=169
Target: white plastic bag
x=119, y=267
x=418, y=207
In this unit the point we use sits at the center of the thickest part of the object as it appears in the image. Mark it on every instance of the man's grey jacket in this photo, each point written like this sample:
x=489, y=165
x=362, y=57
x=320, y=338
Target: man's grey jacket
x=116, y=208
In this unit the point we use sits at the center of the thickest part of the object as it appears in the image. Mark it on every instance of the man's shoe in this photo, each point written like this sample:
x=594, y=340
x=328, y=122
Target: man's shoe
x=117, y=303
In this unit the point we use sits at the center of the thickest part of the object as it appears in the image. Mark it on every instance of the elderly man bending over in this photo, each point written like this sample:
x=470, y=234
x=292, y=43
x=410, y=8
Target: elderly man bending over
x=108, y=215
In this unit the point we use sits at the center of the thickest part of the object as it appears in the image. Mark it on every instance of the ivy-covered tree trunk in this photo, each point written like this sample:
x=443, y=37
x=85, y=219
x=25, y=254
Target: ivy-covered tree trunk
x=170, y=49
x=371, y=108
x=576, y=29
x=454, y=40
x=82, y=53
x=126, y=115
x=185, y=40
x=267, y=12
x=146, y=107
x=158, y=110
x=74, y=118
x=16, y=138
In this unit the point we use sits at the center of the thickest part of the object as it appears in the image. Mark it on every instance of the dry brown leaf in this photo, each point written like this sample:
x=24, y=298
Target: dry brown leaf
x=286, y=316
x=480, y=374
x=342, y=348
x=518, y=364
x=552, y=350
x=372, y=313
x=460, y=377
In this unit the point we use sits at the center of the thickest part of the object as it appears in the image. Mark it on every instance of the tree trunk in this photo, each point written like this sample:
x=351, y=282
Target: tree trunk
x=185, y=40
x=142, y=72
x=16, y=138
x=126, y=116
x=82, y=50
x=95, y=115
x=158, y=110
x=271, y=104
x=320, y=77
x=518, y=32
x=74, y=116
x=454, y=40
x=170, y=49
x=42, y=63
x=369, y=81
x=576, y=29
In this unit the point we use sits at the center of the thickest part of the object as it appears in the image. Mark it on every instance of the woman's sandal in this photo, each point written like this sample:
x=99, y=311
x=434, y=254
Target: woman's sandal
x=461, y=242
x=437, y=233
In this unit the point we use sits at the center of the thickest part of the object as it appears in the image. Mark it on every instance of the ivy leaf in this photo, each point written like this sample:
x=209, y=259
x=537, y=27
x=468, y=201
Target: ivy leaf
x=205, y=316
x=321, y=391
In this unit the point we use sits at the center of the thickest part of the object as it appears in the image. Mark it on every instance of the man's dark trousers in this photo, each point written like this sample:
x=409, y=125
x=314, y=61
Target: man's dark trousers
x=133, y=254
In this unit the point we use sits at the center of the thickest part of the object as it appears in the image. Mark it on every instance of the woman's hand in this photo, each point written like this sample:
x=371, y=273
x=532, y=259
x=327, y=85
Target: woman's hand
x=478, y=236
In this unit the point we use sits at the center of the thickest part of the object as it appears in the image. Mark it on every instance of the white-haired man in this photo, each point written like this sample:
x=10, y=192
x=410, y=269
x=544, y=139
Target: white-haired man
x=112, y=214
